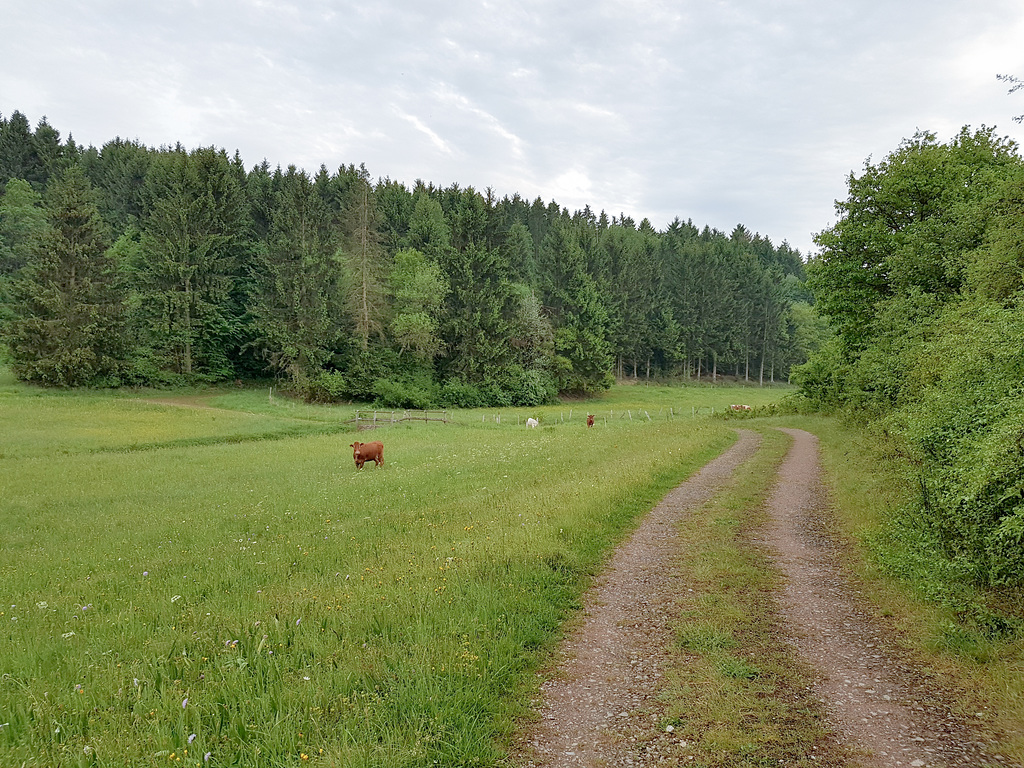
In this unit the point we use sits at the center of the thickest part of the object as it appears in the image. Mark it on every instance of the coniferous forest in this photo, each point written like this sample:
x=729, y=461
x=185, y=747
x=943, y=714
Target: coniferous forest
x=132, y=265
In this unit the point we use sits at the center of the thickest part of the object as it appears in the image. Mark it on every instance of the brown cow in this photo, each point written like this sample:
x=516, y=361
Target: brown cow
x=364, y=452
x=590, y=419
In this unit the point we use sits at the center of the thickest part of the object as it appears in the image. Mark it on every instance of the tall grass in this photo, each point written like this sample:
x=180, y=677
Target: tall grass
x=215, y=600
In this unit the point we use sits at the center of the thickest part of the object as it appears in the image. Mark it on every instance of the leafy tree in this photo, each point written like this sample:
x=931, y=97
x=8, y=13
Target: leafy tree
x=906, y=225
x=22, y=224
x=68, y=314
x=1016, y=84
x=418, y=291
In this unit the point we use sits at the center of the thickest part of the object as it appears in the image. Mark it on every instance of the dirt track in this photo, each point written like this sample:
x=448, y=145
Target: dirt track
x=602, y=696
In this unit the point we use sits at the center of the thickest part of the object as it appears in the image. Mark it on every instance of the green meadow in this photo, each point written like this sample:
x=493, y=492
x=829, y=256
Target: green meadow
x=204, y=578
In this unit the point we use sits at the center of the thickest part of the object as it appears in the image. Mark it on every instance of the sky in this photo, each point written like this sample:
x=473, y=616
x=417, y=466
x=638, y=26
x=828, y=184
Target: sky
x=722, y=112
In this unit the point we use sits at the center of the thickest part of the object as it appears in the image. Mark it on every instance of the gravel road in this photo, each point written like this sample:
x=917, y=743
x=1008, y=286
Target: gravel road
x=598, y=704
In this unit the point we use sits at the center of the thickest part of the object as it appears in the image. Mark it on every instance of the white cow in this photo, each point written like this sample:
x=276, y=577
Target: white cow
x=532, y=422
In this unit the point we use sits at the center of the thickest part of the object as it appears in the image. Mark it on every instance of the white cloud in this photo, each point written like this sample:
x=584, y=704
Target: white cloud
x=724, y=112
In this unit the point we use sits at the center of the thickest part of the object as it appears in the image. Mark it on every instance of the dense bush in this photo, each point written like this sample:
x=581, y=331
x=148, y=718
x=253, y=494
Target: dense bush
x=394, y=393
x=923, y=278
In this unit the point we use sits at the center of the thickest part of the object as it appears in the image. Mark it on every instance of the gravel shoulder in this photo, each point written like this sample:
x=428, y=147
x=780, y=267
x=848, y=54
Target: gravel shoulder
x=601, y=699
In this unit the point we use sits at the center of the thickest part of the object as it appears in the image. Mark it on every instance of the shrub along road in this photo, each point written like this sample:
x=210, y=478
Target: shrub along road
x=819, y=679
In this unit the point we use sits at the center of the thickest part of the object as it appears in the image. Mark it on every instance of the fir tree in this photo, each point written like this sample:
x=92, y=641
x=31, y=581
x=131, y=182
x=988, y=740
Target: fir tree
x=68, y=314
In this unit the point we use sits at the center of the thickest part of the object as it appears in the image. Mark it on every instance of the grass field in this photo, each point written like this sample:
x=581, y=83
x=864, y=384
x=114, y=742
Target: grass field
x=207, y=579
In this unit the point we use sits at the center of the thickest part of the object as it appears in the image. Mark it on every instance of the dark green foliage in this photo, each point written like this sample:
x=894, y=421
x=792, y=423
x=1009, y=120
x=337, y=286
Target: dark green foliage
x=296, y=294
x=409, y=393
x=333, y=282
x=67, y=326
x=192, y=240
x=20, y=156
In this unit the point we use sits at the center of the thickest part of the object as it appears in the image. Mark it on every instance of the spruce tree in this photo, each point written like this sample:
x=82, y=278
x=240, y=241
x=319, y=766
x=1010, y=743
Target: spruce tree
x=192, y=240
x=296, y=297
x=68, y=314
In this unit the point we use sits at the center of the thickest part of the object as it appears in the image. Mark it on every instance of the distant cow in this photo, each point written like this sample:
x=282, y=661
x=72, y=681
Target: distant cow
x=741, y=407
x=532, y=422
x=590, y=419
x=364, y=452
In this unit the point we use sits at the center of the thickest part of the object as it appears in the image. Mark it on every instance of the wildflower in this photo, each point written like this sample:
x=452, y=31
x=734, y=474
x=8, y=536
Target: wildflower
x=79, y=688
x=184, y=702
x=191, y=738
x=145, y=573
x=206, y=757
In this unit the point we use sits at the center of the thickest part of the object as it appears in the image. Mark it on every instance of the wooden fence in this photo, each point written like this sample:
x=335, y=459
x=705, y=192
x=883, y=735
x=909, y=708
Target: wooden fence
x=371, y=419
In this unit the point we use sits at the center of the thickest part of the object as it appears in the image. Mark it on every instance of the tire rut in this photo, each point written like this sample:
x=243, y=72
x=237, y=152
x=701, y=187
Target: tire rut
x=597, y=703
x=876, y=700
x=611, y=664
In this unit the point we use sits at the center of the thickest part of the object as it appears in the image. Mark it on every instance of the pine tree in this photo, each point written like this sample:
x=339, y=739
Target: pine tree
x=19, y=158
x=583, y=354
x=68, y=314
x=192, y=237
x=295, y=302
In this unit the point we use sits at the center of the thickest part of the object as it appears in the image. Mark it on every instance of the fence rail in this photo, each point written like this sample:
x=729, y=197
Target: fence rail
x=370, y=419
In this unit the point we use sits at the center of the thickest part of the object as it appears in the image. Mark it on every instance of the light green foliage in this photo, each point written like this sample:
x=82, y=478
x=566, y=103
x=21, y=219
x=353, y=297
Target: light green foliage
x=22, y=225
x=260, y=600
x=418, y=291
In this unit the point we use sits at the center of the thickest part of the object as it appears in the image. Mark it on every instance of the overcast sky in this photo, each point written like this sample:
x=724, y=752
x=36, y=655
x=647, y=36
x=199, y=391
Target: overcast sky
x=723, y=112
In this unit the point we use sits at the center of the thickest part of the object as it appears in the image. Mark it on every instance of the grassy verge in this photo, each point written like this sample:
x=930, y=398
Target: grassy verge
x=736, y=696
x=919, y=594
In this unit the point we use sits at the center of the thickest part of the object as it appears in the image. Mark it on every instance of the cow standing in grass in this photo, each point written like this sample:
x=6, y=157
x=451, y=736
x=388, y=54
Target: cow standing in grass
x=364, y=452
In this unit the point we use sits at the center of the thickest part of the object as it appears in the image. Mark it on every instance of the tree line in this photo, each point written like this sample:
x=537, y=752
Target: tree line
x=922, y=278
x=132, y=265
